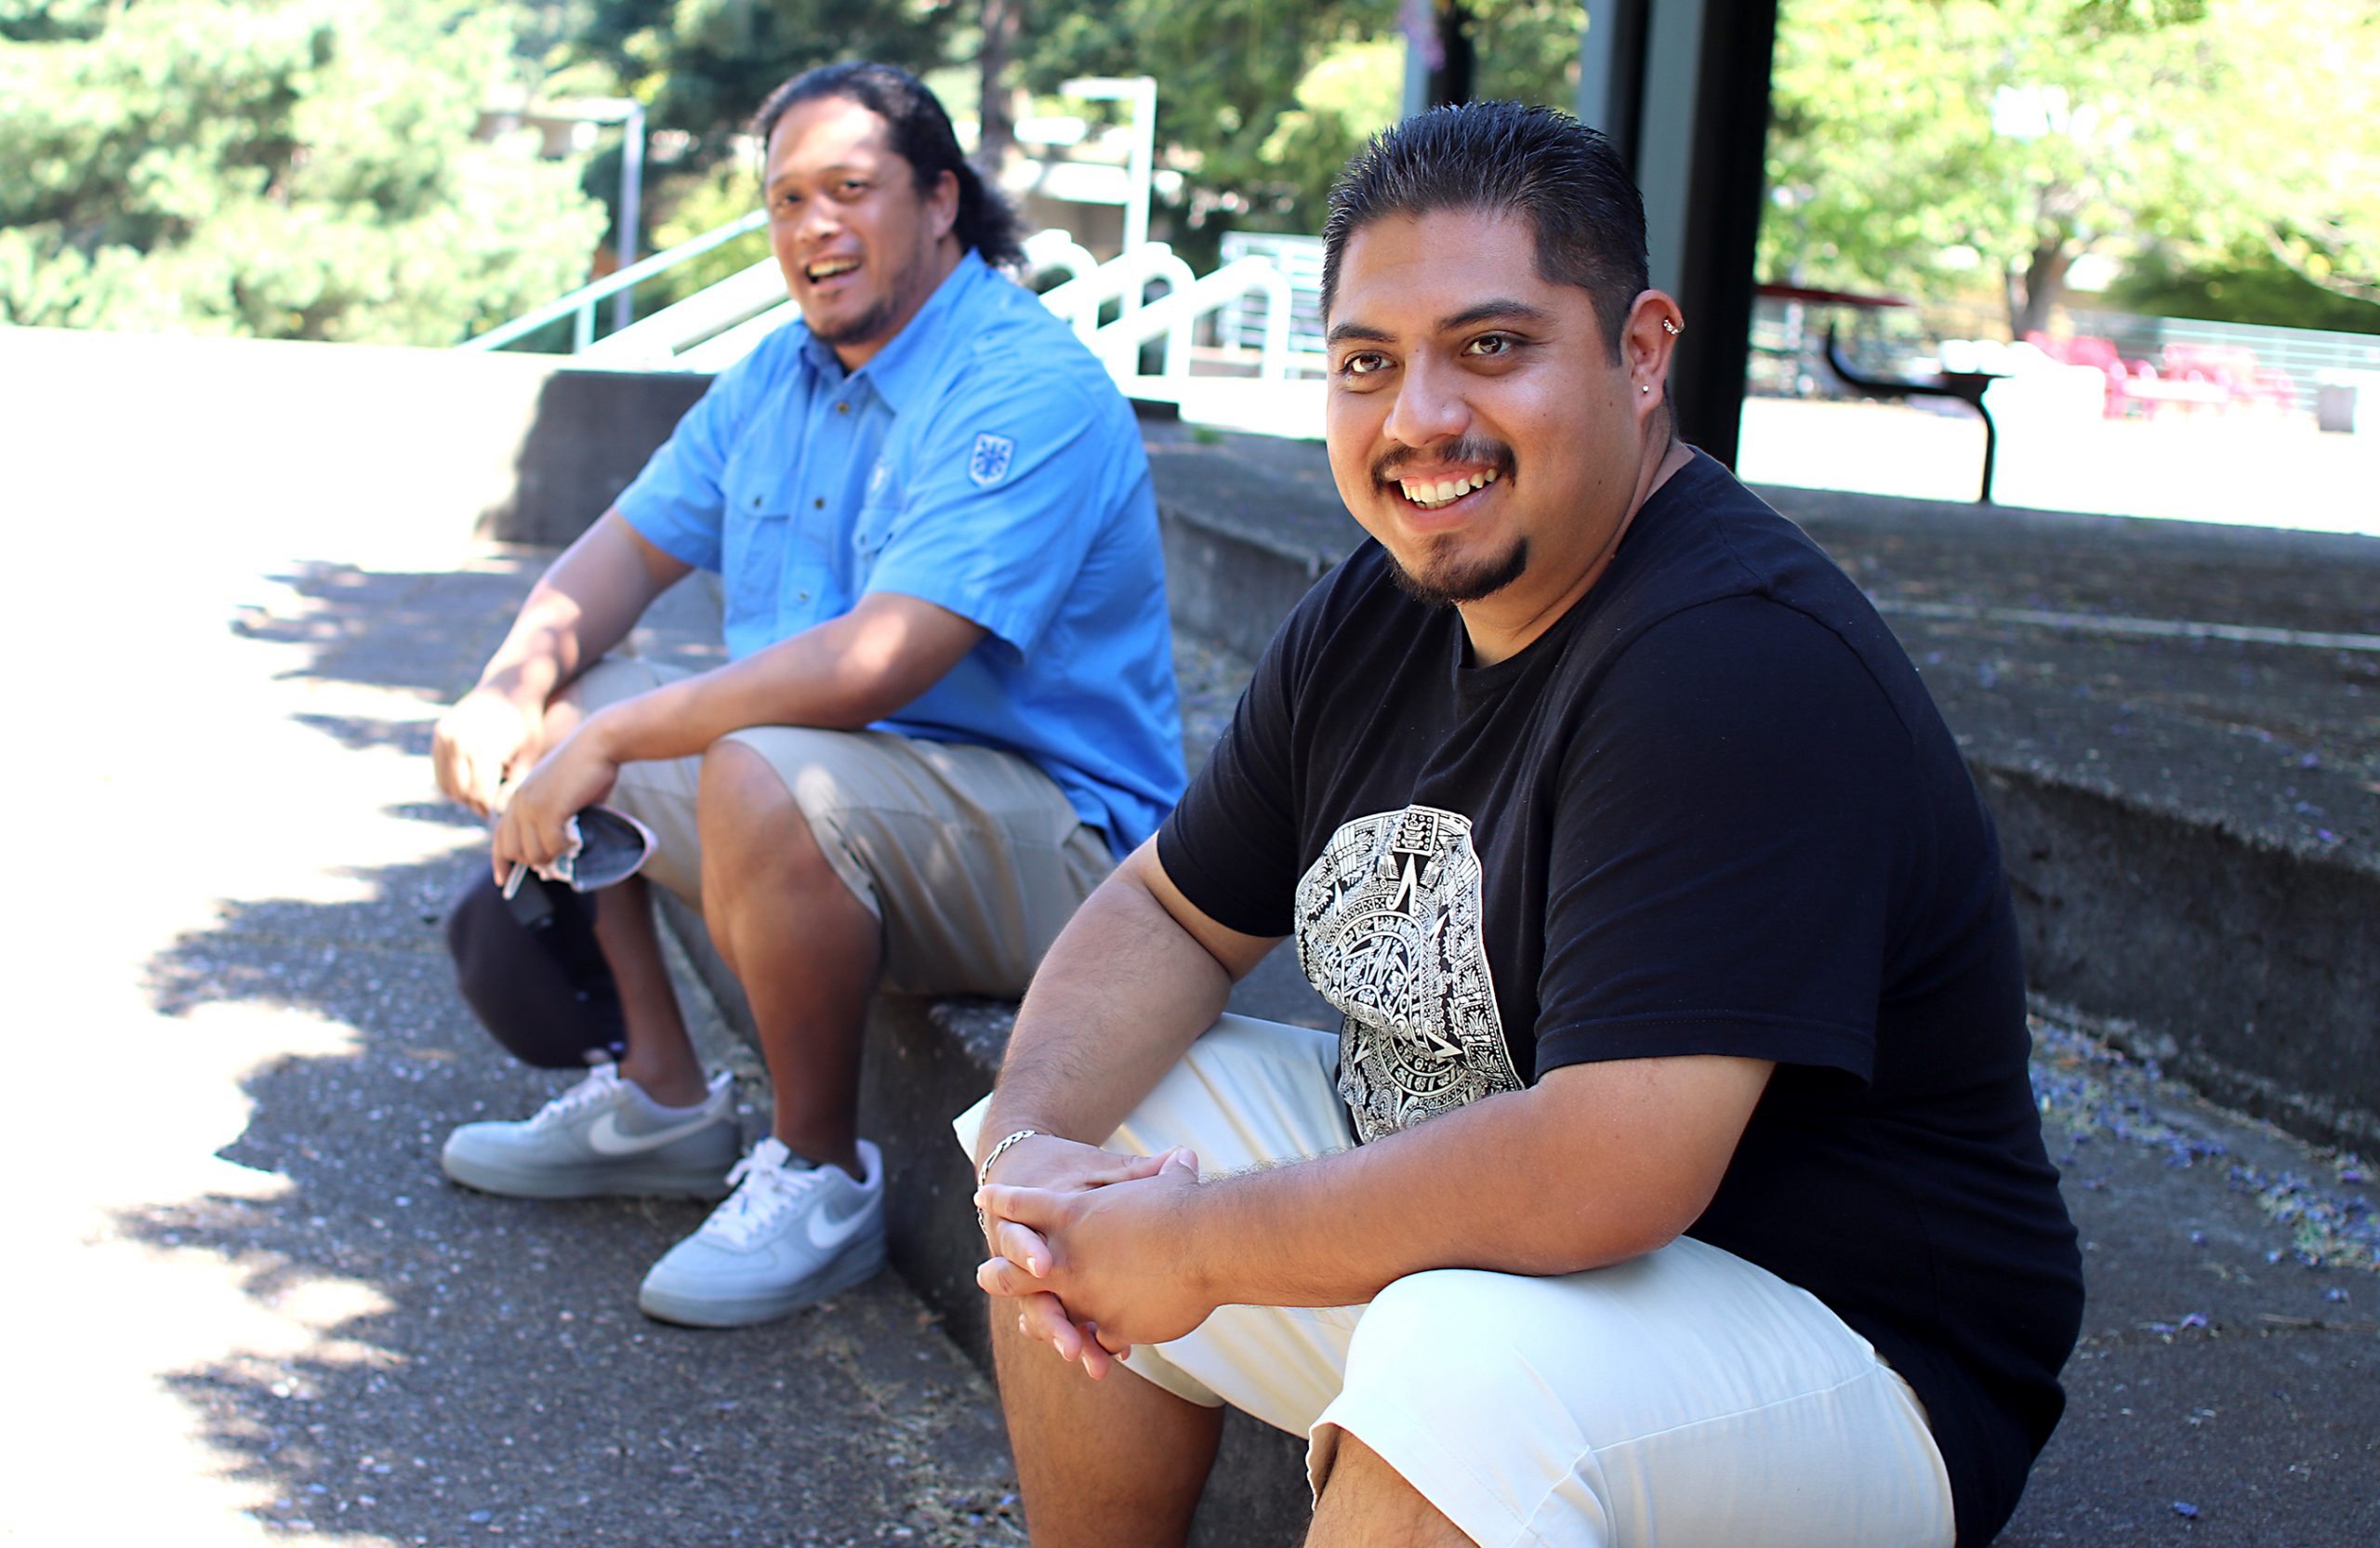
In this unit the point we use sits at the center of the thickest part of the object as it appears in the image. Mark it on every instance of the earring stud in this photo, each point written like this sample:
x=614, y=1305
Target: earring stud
x=1643, y=388
x=1669, y=327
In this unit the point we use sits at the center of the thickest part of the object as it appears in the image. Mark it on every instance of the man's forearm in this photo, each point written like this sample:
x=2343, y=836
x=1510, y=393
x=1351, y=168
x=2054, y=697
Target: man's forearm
x=1121, y=994
x=839, y=675
x=581, y=607
x=1597, y=1165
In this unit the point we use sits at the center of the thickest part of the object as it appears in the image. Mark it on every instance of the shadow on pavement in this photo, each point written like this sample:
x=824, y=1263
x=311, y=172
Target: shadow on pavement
x=475, y=1366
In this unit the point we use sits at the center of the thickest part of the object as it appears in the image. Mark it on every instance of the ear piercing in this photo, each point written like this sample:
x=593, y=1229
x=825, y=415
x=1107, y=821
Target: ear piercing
x=1669, y=327
x=1641, y=387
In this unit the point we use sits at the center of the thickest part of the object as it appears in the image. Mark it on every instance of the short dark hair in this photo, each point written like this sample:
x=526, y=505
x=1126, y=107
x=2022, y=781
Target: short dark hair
x=1509, y=158
x=922, y=136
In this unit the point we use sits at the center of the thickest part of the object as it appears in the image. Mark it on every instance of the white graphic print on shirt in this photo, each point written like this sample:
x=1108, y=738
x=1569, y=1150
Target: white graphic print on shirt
x=1388, y=923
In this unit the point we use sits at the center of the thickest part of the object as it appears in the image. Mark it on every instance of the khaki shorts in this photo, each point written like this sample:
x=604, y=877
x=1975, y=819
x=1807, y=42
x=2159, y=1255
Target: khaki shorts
x=972, y=857
x=1686, y=1396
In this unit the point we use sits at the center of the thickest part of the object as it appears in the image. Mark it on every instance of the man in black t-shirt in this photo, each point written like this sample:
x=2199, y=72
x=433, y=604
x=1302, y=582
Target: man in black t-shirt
x=1675, y=1173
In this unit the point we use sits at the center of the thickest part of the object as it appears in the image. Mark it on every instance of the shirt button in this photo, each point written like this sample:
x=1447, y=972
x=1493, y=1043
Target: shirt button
x=756, y=502
x=802, y=596
x=842, y=408
x=818, y=505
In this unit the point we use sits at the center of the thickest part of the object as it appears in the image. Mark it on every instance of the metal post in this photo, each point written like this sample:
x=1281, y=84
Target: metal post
x=1611, y=71
x=1141, y=169
x=1144, y=164
x=1700, y=86
x=631, y=214
x=1417, y=78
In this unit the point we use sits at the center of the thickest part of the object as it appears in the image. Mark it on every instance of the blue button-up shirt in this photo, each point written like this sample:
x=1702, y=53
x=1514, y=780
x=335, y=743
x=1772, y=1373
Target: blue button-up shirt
x=983, y=461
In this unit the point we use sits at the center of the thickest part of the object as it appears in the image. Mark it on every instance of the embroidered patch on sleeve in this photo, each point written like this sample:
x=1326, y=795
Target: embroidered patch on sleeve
x=988, y=465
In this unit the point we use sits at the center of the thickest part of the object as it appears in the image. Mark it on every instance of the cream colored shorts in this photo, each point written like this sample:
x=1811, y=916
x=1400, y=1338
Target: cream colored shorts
x=1687, y=1397
x=973, y=857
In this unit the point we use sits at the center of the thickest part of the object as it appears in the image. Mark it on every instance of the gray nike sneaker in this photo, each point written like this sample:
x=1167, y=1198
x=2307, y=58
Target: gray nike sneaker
x=792, y=1233
x=600, y=1138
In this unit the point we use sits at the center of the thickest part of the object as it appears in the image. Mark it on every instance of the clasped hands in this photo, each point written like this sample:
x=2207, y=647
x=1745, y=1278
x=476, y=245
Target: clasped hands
x=1094, y=1246
x=480, y=749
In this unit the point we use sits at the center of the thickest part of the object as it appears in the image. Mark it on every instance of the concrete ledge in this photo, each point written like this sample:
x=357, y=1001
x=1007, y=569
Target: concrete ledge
x=2249, y=970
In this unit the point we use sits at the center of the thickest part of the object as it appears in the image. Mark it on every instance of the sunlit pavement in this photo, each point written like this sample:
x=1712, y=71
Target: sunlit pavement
x=244, y=1304
x=2237, y=467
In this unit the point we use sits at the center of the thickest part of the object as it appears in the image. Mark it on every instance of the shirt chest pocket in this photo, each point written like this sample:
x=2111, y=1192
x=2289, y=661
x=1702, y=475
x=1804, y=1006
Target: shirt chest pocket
x=879, y=523
x=775, y=570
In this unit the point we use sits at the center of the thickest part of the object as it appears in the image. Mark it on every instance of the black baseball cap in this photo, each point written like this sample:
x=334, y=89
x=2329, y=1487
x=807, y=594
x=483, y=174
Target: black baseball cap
x=530, y=969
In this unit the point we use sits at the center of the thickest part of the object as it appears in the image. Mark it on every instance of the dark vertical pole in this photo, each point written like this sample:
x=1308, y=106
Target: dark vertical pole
x=1725, y=187
x=1681, y=89
x=1611, y=73
x=1450, y=82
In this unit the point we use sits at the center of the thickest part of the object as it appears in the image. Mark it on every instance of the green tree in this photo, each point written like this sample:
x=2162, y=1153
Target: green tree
x=1263, y=101
x=1920, y=143
x=2246, y=285
x=702, y=66
x=276, y=168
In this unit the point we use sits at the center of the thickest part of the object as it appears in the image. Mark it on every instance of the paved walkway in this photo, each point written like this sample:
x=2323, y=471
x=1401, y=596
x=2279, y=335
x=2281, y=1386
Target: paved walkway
x=250, y=1309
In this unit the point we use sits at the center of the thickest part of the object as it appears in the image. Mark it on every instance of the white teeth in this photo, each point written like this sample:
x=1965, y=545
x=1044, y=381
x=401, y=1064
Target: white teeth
x=833, y=267
x=1431, y=493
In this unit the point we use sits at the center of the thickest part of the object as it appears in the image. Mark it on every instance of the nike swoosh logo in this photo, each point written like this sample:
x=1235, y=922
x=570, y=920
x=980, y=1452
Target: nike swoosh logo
x=827, y=1235
x=604, y=1136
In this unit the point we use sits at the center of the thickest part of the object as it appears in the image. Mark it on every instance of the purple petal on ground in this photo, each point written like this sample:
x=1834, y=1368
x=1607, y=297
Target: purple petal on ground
x=2186, y=1511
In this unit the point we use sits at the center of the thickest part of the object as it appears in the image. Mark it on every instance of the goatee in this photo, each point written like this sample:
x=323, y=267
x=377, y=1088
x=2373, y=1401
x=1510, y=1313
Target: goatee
x=1442, y=585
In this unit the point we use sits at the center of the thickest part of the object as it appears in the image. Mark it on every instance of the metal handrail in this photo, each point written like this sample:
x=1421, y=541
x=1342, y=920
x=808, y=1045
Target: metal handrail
x=1118, y=342
x=660, y=338
x=1122, y=278
x=581, y=301
x=1050, y=248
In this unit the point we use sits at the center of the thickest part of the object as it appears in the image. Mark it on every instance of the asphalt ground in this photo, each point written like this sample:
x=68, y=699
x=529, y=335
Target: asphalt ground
x=251, y=1309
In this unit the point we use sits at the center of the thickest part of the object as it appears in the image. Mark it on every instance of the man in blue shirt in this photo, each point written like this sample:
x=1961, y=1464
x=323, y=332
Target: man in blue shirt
x=948, y=706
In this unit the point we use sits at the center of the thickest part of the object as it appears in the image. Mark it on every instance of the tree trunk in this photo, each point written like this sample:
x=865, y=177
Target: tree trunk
x=2031, y=299
x=996, y=141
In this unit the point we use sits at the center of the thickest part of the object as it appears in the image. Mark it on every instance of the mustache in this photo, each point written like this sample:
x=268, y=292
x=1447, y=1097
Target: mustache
x=1477, y=449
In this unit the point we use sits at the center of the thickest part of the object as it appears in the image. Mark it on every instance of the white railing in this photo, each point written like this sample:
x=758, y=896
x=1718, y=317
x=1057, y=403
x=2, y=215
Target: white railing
x=1050, y=248
x=664, y=340
x=718, y=325
x=579, y=305
x=1118, y=343
x=1125, y=279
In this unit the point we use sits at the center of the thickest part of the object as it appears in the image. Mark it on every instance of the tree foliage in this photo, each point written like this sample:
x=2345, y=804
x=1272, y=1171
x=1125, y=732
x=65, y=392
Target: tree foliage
x=1918, y=143
x=1263, y=101
x=278, y=168
x=702, y=66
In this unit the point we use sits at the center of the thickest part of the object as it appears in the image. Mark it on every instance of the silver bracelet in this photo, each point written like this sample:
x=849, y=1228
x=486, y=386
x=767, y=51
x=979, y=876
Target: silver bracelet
x=984, y=1172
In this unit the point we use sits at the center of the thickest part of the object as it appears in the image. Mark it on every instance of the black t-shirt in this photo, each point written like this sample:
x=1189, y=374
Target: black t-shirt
x=1712, y=810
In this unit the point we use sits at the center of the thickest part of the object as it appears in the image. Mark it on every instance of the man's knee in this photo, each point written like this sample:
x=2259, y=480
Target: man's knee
x=1428, y=1341
x=751, y=826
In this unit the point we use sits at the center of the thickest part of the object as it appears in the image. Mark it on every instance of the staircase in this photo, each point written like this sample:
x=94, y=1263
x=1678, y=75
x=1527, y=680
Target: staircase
x=1219, y=348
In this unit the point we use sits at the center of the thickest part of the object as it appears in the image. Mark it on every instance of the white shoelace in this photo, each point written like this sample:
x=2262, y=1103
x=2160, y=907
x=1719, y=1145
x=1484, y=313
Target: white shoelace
x=601, y=1086
x=767, y=1184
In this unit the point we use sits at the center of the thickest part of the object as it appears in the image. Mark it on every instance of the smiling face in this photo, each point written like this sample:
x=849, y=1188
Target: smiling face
x=860, y=246
x=1479, y=424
